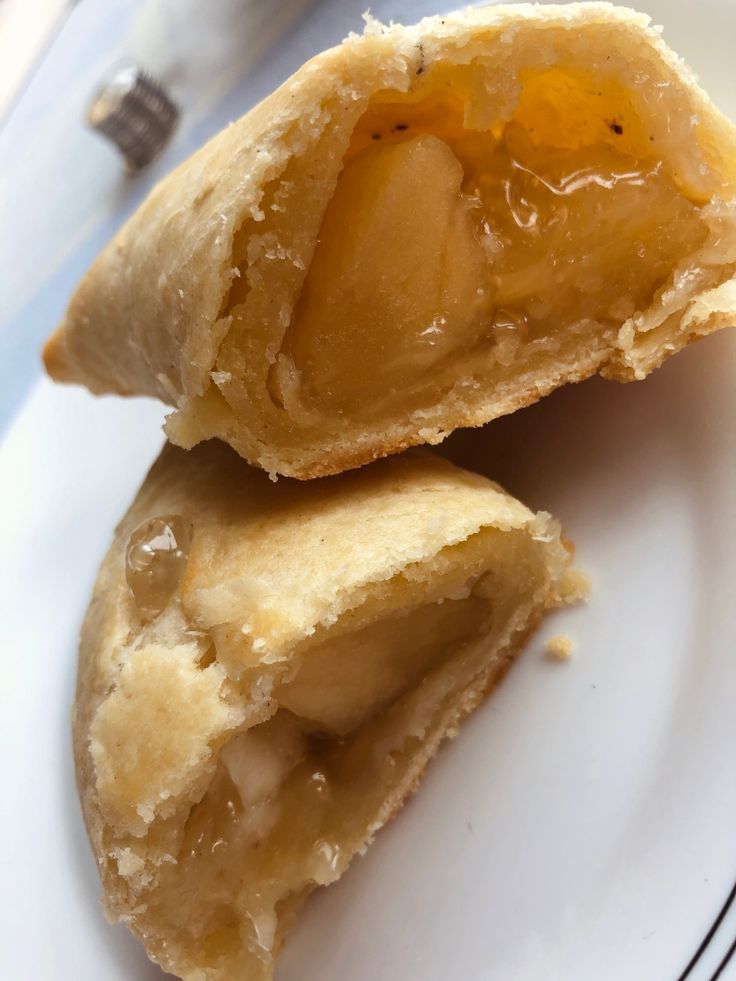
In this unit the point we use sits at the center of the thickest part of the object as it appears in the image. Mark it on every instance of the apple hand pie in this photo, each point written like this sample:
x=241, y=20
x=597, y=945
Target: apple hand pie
x=265, y=671
x=424, y=228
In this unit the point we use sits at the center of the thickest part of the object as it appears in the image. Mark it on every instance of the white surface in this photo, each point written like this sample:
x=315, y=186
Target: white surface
x=25, y=28
x=582, y=826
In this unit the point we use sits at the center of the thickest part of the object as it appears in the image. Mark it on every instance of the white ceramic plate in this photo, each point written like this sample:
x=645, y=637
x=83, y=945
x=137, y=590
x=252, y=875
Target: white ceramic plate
x=583, y=825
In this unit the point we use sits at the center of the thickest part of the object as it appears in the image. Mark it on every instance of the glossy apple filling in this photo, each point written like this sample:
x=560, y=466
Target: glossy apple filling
x=291, y=798
x=295, y=797
x=443, y=242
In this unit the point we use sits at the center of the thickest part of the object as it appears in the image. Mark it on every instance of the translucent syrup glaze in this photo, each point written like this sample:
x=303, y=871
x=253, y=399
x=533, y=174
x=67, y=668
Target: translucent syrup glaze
x=443, y=242
x=155, y=559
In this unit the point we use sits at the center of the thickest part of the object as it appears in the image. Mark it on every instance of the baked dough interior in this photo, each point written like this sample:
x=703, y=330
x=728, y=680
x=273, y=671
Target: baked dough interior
x=295, y=796
x=450, y=243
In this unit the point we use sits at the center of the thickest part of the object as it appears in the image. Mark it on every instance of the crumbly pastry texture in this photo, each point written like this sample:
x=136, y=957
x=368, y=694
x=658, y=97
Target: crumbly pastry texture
x=424, y=228
x=252, y=709
x=560, y=646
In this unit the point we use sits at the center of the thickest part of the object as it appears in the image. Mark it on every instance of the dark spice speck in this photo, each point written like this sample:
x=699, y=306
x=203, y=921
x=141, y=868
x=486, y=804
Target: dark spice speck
x=420, y=48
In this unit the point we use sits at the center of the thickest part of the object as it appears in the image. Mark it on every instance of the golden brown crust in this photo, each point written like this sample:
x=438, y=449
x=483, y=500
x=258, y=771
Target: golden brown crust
x=151, y=315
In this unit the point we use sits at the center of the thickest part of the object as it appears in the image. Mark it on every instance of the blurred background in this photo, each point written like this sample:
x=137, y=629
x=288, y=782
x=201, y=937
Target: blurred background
x=64, y=190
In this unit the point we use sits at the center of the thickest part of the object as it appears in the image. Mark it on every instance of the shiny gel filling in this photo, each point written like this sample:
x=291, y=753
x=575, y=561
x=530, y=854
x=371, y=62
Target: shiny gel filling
x=442, y=241
x=155, y=560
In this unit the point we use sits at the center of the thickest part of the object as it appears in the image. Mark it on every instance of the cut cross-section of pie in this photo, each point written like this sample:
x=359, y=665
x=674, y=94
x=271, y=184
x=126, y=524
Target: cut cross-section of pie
x=424, y=228
x=265, y=671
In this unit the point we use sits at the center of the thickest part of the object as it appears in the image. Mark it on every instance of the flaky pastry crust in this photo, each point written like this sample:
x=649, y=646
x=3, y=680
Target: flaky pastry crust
x=157, y=315
x=278, y=581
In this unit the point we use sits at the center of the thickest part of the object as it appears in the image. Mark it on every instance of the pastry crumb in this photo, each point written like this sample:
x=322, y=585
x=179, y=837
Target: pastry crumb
x=575, y=587
x=560, y=647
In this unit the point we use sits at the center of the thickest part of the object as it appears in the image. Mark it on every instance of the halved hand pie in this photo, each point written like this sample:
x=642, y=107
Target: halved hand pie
x=424, y=228
x=265, y=671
